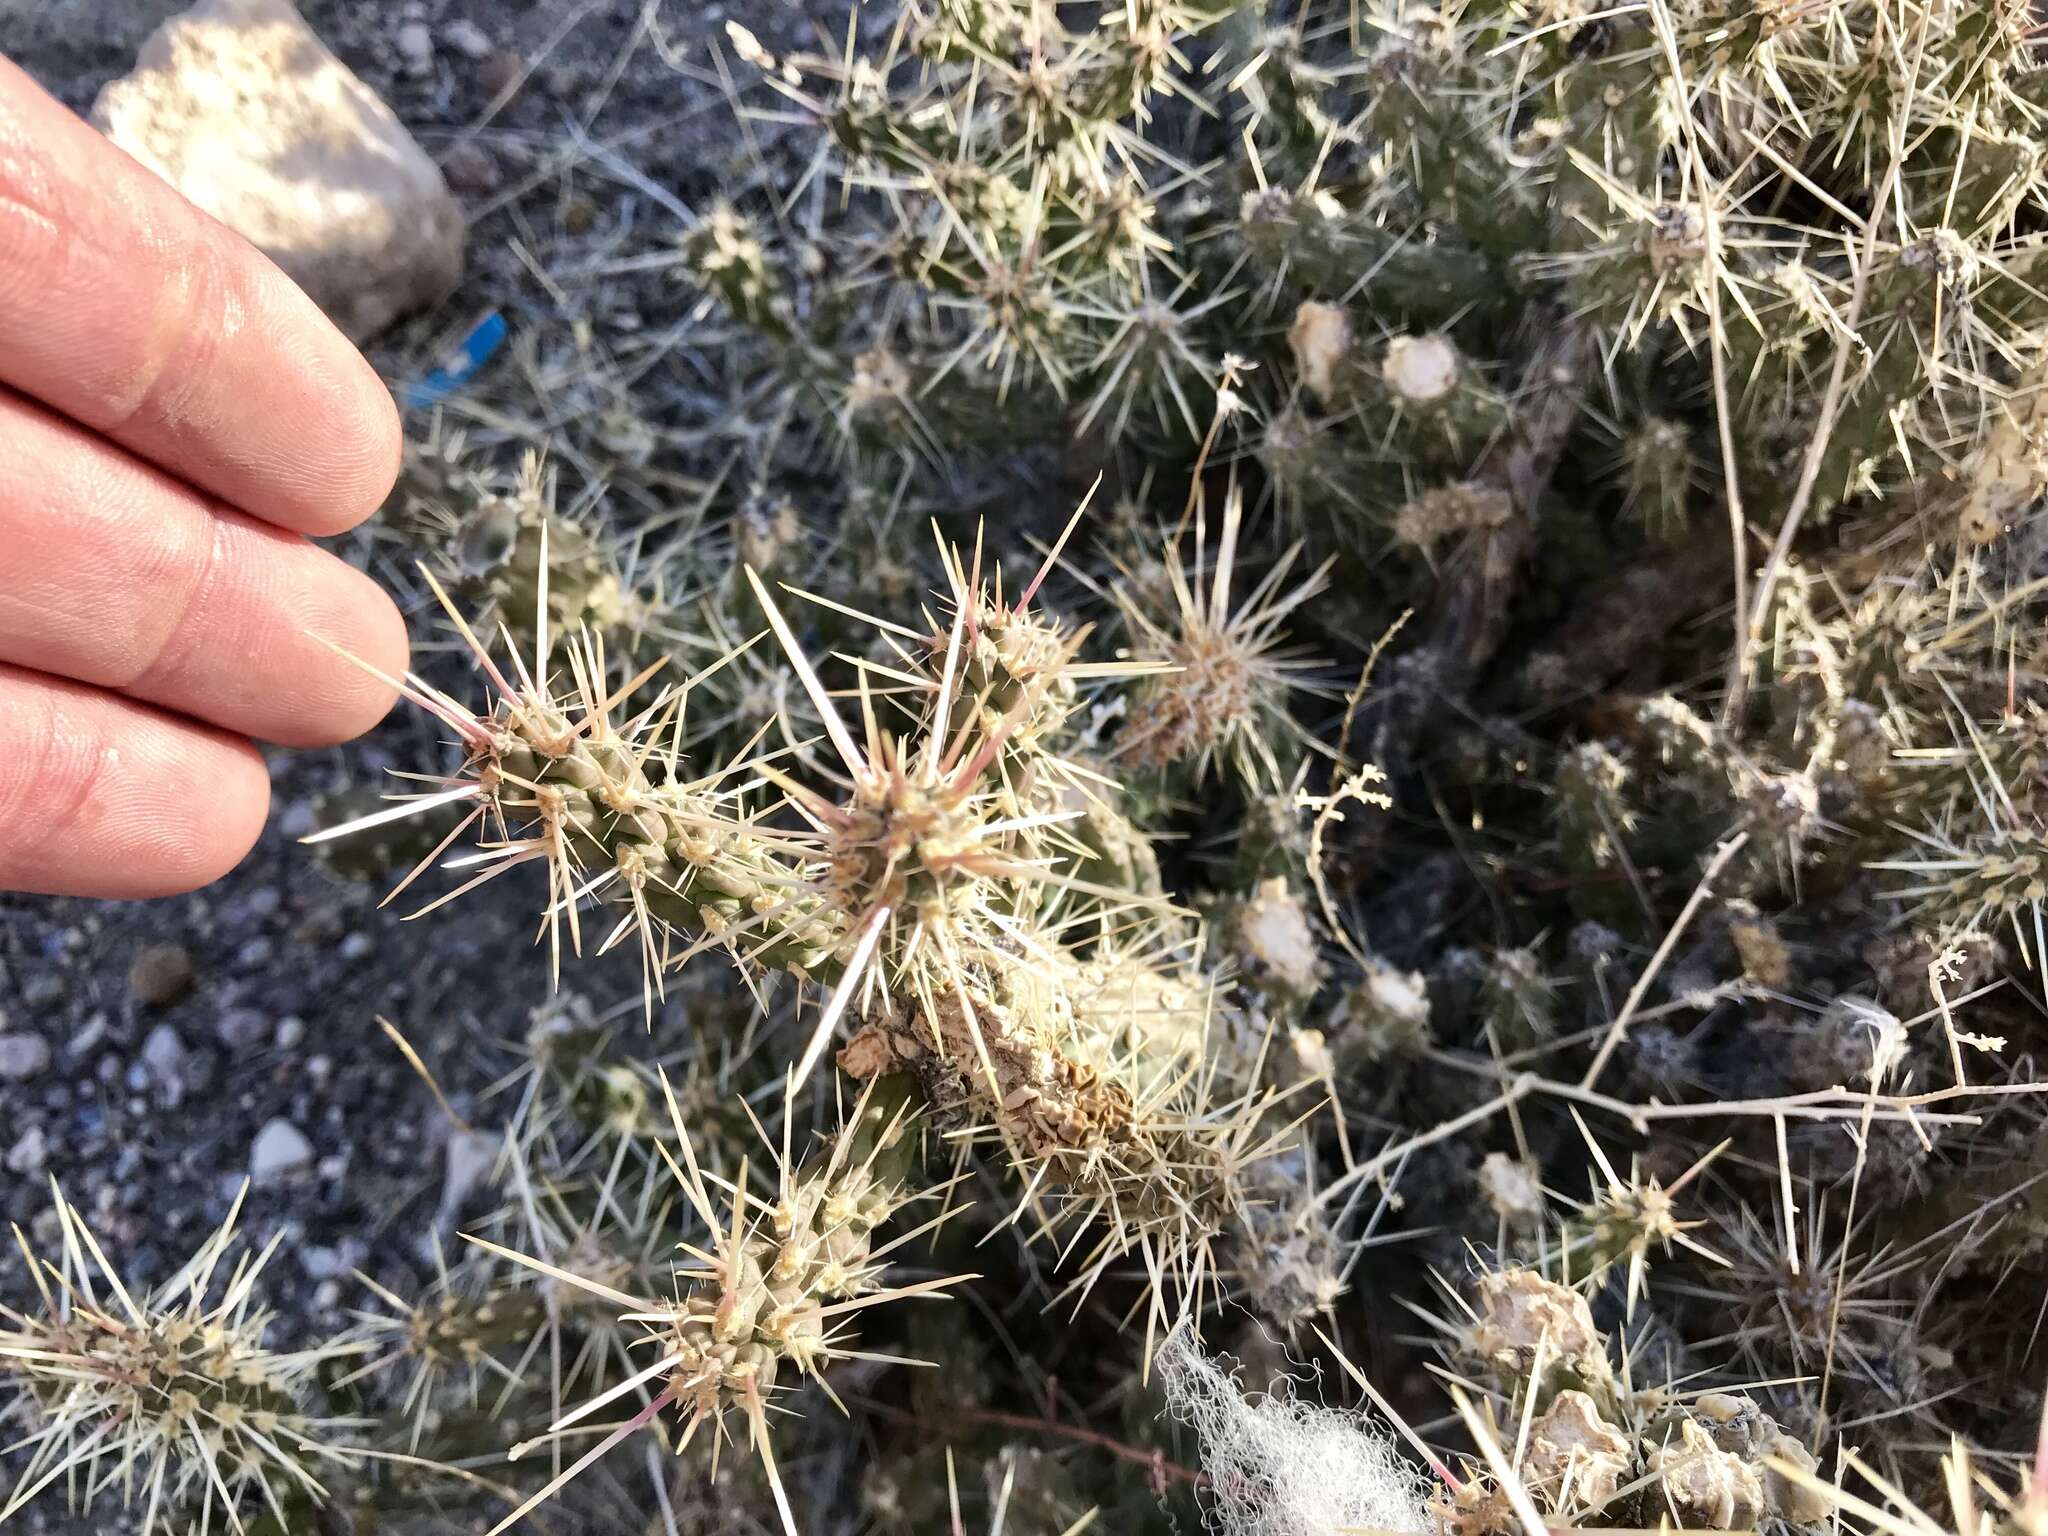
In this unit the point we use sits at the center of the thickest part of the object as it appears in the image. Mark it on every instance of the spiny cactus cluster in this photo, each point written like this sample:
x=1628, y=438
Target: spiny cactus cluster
x=169, y=1405
x=1523, y=776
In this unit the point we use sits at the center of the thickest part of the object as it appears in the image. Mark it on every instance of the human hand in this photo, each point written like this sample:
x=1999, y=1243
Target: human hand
x=174, y=416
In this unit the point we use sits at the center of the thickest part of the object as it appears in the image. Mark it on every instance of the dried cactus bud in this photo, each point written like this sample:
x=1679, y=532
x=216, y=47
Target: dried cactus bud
x=765, y=530
x=1384, y=1017
x=1700, y=1485
x=1321, y=340
x=1444, y=510
x=881, y=382
x=1478, y=1507
x=1270, y=936
x=1676, y=237
x=1766, y=960
x=1524, y=1319
x=1576, y=1460
x=1421, y=370
x=2009, y=471
x=1514, y=1188
x=1794, y=1502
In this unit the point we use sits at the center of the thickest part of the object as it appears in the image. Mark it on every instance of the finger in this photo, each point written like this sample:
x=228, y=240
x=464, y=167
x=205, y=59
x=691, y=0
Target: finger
x=115, y=574
x=128, y=310
x=101, y=796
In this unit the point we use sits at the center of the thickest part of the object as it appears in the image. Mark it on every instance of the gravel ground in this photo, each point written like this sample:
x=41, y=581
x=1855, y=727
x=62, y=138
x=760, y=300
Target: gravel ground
x=148, y=1099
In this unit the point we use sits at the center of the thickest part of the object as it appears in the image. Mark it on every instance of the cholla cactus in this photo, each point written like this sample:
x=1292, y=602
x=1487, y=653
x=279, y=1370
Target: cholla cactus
x=490, y=544
x=1270, y=935
x=1220, y=694
x=763, y=1302
x=1080, y=1070
x=1600, y=1449
x=168, y=1402
x=1573, y=330
x=913, y=895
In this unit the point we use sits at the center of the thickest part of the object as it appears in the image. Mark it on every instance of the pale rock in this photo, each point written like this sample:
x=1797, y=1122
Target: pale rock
x=23, y=1057
x=164, y=1059
x=416, y=47
x=238, y=105
x=29, y=1152
x=279, y=1152
x=467, y=39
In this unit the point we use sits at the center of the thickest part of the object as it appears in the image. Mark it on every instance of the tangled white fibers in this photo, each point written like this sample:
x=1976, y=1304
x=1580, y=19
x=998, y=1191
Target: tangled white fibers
x=1279, y=1466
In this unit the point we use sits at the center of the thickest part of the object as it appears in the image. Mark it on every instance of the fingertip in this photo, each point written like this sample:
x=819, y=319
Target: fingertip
x=341, y=466
x=369, y=448
x=351, y=650
x=387, y=444
x=106, y=797
x=381, y=654
x=205, y=851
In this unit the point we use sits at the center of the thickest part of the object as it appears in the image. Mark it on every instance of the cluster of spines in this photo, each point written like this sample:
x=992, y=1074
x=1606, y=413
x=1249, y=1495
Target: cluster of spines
x=168, y=1403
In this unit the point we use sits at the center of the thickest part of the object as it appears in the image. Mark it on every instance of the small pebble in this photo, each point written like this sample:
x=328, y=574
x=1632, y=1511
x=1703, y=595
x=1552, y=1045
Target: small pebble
x=242, y=1029
x=470, y=167
x=29, y=1152
x=356, y=946
x=160, y=974
x=279, y=1152
x=497, y=74
x=291, y=1033
x=467, y=39
x=89, y=1034
x=23, y=1057
x=164, y=1059
x=415, y=47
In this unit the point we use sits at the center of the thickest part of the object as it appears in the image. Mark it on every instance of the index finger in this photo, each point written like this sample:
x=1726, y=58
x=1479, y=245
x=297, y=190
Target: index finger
x=128, y=310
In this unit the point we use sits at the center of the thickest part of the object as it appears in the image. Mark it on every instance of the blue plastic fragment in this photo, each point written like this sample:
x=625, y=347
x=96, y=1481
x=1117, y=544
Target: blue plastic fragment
x=460, y=365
